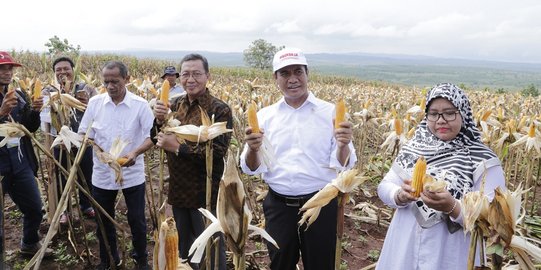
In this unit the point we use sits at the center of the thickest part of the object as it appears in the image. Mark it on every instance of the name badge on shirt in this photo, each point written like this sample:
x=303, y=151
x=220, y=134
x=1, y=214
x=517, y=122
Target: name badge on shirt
x=425, y=216
x=13, y=142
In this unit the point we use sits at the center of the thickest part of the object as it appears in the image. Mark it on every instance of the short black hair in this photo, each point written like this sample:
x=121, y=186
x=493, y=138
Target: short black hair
x=117, y=64
x=193, y=57
x=62, y=59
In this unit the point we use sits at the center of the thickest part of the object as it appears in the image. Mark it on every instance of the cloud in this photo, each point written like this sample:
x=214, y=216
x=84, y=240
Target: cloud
x=461, y=28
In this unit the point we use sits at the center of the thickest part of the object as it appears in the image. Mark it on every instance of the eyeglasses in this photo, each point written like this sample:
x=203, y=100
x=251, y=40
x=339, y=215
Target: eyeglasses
x=196, y=75
x=447, y=116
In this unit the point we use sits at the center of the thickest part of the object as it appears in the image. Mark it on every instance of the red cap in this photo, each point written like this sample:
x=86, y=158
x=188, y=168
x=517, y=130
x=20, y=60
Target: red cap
x=6, y=59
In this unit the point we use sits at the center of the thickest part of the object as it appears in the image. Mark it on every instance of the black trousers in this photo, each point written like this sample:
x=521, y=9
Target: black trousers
x=190, y=224
x=316, y=245
x=135, y=202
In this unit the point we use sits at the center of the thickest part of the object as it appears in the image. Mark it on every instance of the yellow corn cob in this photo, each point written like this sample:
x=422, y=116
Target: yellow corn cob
x=171, y=245
x=164, y=97
x=486, y=114
x=37, y=90
x=531, y=131
x=398, y=126
x=121, y=160
x=22, y=84
x=10, y=91
x=252, y=117
x=423, y=104
x=340, y=113
x=418, y=176
x=102, y=90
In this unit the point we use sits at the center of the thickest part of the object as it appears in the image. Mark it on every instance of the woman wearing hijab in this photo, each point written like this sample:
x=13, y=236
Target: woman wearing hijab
x=425, y=233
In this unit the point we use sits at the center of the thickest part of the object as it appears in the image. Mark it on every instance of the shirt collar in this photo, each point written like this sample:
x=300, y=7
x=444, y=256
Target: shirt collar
x=203, y=100
x=127, y=99
x=311, y=100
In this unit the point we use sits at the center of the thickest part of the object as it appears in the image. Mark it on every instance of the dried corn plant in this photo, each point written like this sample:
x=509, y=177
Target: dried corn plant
x=233, y=220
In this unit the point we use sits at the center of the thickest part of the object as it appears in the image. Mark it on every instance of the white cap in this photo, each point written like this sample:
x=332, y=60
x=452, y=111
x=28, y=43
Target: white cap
x=287, y=57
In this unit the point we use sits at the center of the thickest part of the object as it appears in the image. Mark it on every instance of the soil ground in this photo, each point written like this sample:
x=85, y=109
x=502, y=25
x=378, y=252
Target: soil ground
x=361, y=243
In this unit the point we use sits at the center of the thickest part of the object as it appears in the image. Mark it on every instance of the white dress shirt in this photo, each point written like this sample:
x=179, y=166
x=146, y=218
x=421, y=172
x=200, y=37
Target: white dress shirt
x=304, y=146
x=131, y=120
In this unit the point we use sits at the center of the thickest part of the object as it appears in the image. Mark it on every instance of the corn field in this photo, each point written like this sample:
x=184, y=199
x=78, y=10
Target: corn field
x=384, y=118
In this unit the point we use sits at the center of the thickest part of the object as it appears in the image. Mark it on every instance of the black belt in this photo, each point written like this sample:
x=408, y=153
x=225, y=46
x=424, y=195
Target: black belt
x=292, y=201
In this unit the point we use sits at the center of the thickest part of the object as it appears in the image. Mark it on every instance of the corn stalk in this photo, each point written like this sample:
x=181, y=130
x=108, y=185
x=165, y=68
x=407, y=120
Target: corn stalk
x=342, y=198
x=209, y=159
x=53, y=228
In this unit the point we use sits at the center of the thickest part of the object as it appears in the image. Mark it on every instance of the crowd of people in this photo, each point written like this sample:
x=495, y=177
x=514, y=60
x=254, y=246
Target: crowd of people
x=310, y=151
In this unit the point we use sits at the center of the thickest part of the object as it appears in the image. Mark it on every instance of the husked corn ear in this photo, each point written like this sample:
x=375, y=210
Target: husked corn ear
x=164, y=96
x=122, y=160
x=340, y=113
x=252, y=117
x=171, y=245
x=398, y=126
x=22, y=84
x=37, y=90
x=419, y=172
x=10, y=91
x=531, y=131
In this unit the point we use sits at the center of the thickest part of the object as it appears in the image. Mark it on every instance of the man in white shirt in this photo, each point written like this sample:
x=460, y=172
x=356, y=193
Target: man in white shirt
x=120, y=114
x=309, y=152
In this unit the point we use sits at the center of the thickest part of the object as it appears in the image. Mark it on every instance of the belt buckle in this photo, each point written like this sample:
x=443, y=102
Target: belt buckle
x=293, y=202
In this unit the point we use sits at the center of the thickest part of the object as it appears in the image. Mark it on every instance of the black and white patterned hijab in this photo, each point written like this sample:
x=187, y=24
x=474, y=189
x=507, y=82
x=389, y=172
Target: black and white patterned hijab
x=459, y=161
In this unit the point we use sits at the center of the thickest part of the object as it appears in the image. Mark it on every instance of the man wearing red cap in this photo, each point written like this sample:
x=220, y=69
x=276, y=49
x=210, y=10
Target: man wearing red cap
x=309, y=152
x=18, y=163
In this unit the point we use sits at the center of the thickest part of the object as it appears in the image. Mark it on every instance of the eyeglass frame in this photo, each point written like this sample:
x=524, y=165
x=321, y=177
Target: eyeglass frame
x=196, y=75
x=448, y=113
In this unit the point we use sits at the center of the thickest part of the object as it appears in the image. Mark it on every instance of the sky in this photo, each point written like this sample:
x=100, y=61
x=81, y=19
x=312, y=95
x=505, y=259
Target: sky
x=500, y=30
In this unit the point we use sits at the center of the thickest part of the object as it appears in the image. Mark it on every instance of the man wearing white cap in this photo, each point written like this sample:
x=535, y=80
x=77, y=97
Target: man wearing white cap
x=309, y=152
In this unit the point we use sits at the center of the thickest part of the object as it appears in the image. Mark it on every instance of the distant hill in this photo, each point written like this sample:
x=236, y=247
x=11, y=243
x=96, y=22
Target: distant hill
x=401, y=69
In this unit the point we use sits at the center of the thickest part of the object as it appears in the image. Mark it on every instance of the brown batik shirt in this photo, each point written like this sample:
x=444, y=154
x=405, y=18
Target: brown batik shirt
x=188, y=174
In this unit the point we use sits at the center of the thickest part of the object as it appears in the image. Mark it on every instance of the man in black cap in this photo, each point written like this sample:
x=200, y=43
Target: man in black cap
x=170, y=74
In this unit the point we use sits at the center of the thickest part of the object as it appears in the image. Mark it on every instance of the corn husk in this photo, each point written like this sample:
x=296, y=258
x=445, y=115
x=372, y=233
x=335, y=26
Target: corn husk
x=10, y=131
x=234, y=216
x=67, y=138
x=199, y=134
x=168, y=256
x=432, y=185
x=345, y=182
x=504, y=215
x=474, y=207
x=111, y=158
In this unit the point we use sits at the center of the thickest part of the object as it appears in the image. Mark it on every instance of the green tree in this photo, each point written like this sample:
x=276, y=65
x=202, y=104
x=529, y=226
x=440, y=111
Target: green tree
x=57, y=46
x=260, y=54
x=501, y=90
x=530, y=90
